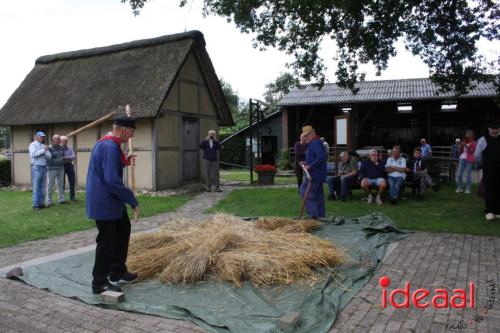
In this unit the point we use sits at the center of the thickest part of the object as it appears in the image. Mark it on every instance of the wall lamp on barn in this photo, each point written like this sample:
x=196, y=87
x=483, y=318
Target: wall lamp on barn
x=405, y=108
x=346, y=108
x=450, y=106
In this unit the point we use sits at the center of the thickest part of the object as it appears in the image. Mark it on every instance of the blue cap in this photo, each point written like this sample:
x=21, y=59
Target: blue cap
x=40, y=133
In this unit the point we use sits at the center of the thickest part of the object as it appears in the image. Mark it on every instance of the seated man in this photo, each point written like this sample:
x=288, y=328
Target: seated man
x=396, y=173
x=419, y=174
x=372, y=172
x=346, y=175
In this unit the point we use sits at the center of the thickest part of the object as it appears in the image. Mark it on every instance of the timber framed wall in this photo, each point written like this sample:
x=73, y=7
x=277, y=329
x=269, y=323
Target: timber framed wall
x=188, y=98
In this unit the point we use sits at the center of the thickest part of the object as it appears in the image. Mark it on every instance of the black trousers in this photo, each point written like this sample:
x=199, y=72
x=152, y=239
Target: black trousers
x=491, y=181
x=112, y=247
x=299, y=173
x=69, y=171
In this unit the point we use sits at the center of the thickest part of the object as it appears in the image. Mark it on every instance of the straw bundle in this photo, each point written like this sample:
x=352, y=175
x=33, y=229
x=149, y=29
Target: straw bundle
x=270, y=251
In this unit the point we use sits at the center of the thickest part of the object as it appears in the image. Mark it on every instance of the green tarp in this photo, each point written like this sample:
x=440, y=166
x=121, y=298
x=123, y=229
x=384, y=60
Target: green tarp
x=220, y=307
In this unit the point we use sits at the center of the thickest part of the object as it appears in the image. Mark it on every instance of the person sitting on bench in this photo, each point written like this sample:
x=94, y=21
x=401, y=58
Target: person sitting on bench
x=372, y=172
x=419, y=174
x=346, y=176
x=396, y=173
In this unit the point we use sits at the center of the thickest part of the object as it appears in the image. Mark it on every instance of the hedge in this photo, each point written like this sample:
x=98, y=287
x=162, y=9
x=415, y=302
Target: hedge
x=4, y=172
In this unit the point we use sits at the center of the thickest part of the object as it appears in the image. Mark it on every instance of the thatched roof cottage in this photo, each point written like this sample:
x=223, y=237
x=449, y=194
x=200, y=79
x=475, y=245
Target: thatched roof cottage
x=168, y=81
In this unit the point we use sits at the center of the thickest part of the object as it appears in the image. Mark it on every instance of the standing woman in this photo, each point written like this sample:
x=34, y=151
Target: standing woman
x=466, y=161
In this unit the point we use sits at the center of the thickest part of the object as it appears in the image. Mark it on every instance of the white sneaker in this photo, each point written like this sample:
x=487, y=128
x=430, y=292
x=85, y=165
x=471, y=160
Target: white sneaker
x=467, y=191
x=459, y=190
x=490, y=217
x=378, y=200
x=370, y=198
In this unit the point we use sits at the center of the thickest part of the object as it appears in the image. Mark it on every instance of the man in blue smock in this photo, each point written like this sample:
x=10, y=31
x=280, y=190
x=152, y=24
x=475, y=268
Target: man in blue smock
x=106, y=198
x=315, y=164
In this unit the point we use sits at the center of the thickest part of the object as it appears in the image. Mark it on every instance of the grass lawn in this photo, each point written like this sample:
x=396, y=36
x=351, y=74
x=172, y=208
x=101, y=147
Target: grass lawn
x=20, y=223
x=244, y=176
x=444, y=211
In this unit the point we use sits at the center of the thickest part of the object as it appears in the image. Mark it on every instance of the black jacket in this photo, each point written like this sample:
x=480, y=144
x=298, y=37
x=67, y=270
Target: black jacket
x=210, y=153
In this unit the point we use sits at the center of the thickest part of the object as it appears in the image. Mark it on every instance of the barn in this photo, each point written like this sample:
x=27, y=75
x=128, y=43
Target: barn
x=387, y=112
x=169, y=82
x=381, y=113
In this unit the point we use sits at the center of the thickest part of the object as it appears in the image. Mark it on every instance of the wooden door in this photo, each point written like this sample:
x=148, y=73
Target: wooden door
x=190, y=156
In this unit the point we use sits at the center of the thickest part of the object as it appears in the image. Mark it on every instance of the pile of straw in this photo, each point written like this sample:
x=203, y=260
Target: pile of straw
x=268, y=252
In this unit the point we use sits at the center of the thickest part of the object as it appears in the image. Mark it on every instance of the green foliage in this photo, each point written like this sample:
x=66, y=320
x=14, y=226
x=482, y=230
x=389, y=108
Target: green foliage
x=4, y=137
x=277, y=89
x=239, y=109
x=4, y=172
x=443, y=33
x=233, y=151
x=283, y=160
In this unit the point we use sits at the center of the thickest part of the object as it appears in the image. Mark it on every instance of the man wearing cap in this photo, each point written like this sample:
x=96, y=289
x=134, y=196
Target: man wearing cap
x=39, y=154
x=315, y=164
x=106, y=198
x=488, y=155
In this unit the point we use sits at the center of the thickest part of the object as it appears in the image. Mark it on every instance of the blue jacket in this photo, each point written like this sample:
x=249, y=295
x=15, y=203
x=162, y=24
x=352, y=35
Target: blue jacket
x=106, y=193
x=316, y=160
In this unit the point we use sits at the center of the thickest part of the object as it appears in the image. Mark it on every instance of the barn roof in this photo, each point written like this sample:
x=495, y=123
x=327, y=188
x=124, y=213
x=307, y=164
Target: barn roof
x=81, y=86
x=379, y=91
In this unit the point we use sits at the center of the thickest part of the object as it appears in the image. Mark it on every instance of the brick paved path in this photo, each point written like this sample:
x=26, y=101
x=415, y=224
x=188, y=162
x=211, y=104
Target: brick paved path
x=424, y=259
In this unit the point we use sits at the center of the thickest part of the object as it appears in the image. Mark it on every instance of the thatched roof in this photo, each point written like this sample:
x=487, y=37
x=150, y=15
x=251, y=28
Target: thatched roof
x=81, y=86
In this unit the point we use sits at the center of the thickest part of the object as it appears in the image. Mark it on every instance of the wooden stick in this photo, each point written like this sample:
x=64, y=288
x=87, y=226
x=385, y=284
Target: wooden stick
x=92, y=124
x=306, y=193
x=131, y=151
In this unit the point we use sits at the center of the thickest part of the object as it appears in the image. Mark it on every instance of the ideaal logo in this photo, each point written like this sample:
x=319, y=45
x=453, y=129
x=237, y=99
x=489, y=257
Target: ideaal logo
x=423, y=298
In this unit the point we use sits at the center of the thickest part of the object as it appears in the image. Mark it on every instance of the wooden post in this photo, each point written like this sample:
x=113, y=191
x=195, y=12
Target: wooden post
x=92, y=124
x=131, y=151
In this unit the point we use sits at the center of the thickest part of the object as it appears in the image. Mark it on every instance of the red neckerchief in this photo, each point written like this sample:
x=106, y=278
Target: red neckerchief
x=116, y=140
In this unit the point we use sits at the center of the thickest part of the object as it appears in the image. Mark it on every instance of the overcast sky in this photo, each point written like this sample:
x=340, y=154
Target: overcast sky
x=32, y=28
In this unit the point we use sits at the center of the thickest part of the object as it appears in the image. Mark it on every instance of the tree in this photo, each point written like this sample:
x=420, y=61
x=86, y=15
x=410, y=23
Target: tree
x=232, y=98
x=277, y=89
x=4, y=137
x=443, y=33
x=238, y=108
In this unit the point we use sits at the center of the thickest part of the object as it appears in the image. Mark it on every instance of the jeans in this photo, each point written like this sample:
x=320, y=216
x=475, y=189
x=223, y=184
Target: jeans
x=334, y=182
x=315, y=201
x=69, y=170
x=55, y=176
x=38, y=176
x=395, y=184
x=464, y=165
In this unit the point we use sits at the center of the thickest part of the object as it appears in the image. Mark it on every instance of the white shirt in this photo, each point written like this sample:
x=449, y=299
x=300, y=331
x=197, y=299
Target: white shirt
x=211, y=143
x=399, y=163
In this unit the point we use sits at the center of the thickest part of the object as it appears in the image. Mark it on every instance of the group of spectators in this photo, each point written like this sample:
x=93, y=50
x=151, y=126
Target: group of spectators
x=380, y=174
x=394, y=172
x=49, y=167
